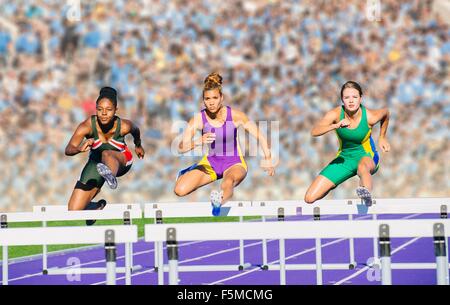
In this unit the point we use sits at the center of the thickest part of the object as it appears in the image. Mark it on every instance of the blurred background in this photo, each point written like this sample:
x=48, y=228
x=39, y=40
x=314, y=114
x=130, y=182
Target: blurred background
x=281, y=61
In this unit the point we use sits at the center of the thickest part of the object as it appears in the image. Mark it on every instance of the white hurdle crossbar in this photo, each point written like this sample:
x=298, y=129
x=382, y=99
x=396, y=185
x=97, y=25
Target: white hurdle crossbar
x=125, y=215
x=384, y=230
x=186, y=210
x=353, y=201
x=108, y=235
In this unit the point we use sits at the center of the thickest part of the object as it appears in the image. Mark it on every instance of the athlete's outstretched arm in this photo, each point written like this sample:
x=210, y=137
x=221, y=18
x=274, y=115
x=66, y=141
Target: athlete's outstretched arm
x=187, y=141
x=83, y=130
x=129, y=127
x=382, y=116
x=241, y=119
x=327, y=123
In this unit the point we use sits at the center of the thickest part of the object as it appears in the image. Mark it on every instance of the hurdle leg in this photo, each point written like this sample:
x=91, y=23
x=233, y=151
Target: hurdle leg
x=5, y=265
x=44, y=254
x=110, y=253
x=352, y=263
x=4, y=225
x=319, y=262
x=127, y=264
x=385, y=255
x=160, y=264
x=156, y=247
x=282, y=262
x=241, y=249
x=264, y=249
x=441, y=254
x=131, y=250
x=375, y=243
x=447, y=264
x=172, y=254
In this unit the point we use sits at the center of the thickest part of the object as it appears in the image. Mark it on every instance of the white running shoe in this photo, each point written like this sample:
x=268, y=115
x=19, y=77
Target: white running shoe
x=365, y=195
x=106, y=173
x=216, y=202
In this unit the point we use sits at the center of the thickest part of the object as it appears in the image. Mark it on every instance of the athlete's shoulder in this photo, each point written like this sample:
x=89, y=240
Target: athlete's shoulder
x=87, y=122
x=336, y=111
x=125, y=126
x=238, y=114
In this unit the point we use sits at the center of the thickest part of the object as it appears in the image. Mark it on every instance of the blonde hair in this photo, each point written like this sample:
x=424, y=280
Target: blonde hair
x=213, y=81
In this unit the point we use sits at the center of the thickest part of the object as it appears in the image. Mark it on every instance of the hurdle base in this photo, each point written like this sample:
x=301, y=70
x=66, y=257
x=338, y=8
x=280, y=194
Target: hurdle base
x=310, y=267
x=245, y=266
x=94, y=270
x=195, y=268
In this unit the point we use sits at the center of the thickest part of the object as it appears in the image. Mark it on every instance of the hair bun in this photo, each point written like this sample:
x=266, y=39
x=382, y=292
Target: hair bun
x=108, y=91
x=215, y=78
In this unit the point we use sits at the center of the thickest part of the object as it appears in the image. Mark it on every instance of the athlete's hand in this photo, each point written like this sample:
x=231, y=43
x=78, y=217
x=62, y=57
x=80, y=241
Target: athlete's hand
x=208, y=138
x=86, y=146
x=139, y=152
x=342, y=123
x=267, y=166
x=384, y=144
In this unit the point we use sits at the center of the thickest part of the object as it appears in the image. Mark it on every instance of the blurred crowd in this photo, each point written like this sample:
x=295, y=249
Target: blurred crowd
x=282, y=61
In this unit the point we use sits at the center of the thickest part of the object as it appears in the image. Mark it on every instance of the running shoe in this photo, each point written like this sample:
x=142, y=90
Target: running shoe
x=216, y=201
x=106, y=173
x=100, y=205
x=365, y=195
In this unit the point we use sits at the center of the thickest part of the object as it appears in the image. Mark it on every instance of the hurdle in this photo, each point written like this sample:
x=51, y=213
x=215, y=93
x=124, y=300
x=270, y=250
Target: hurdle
x=341, y=206
x=77, y=215
x=109, y=207
x=389, y=206
x=384, y=230
x=109, y=235
x=204, y=210
x=183, y=205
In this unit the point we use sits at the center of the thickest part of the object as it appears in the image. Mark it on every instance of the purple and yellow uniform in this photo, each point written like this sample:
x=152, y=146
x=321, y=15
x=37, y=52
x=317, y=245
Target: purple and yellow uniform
x=223, y=153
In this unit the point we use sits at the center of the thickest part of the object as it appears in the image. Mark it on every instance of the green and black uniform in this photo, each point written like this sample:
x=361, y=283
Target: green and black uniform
x=90, y=178
x=354, y=144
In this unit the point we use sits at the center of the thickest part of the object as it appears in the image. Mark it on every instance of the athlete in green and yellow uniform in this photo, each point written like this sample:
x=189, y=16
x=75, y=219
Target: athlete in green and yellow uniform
x=109, y=156
x=357, y=153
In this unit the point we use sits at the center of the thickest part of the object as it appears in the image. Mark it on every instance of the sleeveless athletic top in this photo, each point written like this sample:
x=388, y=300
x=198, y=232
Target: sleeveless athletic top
x=226, y=144
x=117, y=142
x=357, y=140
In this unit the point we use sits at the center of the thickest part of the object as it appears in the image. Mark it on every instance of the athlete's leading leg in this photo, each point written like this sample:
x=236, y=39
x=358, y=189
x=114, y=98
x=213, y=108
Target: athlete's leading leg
x=112, y=163
x=232, y=177
x=366, y=167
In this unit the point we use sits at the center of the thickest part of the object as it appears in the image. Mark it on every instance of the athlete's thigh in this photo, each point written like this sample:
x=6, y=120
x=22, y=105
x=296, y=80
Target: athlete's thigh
x=368, y=162
x=320, y=187
x=236, y=172
x=193, y=179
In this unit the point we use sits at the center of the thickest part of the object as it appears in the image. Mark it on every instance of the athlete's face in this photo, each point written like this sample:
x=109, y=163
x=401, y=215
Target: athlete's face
x=105, y=111
x=213, y=100
x=351, y=99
